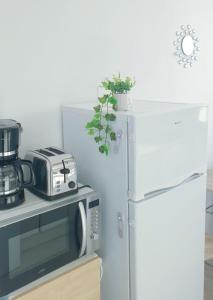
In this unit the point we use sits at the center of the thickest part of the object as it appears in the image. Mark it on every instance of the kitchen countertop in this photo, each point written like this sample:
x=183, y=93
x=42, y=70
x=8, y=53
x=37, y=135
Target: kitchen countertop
x=50, y=276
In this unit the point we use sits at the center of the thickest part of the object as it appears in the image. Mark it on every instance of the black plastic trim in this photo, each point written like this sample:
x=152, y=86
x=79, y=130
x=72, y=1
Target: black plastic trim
x=55, y=197
x=18, y=199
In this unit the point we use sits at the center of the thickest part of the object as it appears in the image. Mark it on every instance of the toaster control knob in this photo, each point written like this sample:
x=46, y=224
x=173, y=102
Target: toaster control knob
x=71, y=184
x=65, y=171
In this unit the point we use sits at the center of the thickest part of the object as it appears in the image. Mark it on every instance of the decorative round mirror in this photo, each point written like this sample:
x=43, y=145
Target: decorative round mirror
x=186, y=46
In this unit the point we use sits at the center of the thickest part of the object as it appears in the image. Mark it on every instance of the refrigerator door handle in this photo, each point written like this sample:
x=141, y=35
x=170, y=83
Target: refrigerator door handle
x=120, y=225
x=166, y=189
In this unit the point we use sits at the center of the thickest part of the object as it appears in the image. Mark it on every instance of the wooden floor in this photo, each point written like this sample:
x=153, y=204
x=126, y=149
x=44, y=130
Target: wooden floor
x=209, y=249
x=209, y=268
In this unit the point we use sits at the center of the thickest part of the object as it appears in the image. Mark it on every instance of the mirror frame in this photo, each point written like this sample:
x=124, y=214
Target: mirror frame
x=182, y=58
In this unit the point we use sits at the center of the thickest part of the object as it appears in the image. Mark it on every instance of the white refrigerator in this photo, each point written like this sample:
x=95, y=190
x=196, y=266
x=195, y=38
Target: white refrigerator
x=153, y=184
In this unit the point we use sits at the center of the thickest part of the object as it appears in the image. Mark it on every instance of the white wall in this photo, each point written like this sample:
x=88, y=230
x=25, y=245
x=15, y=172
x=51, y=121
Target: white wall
x=57, y=51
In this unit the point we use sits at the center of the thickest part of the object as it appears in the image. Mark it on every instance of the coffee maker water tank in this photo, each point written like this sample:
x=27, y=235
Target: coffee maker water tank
x=9, y=139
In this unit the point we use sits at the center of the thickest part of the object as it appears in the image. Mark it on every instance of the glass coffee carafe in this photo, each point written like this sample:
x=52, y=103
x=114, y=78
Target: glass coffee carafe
x=13, y=182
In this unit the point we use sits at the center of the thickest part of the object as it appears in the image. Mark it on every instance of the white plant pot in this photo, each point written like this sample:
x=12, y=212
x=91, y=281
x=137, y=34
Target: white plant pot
x=123, y=101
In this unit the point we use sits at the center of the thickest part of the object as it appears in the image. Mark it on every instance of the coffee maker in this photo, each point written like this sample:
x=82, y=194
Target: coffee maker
x=13, y=170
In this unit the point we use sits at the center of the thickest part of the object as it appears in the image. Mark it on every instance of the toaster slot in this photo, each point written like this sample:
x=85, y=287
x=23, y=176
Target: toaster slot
x=40, y=171
x=44, y=152
x=54, y=150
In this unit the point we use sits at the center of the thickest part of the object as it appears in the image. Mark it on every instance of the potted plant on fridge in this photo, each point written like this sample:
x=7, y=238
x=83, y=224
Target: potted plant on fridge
x=119, y=87
x=115, y=98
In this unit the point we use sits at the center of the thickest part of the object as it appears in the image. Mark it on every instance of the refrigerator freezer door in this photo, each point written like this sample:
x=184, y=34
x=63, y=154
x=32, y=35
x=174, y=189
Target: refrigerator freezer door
x=165, y=149
x=167, y=244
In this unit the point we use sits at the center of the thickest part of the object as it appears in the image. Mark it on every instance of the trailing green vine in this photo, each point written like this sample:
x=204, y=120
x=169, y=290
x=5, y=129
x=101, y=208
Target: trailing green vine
x=100, y=126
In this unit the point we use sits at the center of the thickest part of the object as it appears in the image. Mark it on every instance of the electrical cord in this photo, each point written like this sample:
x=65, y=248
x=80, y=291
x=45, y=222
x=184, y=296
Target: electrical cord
x=84, y=186
x=101, y=270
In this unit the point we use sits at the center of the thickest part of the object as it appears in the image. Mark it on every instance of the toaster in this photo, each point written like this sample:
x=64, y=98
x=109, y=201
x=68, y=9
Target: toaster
x=55, y=173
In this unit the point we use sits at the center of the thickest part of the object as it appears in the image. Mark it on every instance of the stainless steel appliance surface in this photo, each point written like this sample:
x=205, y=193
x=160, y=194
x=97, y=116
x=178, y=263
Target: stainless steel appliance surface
x=40, y=236
x=9, y=138
x=55, y=173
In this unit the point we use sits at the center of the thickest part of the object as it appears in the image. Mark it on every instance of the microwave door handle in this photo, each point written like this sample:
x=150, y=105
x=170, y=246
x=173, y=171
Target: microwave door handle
x=84, y=228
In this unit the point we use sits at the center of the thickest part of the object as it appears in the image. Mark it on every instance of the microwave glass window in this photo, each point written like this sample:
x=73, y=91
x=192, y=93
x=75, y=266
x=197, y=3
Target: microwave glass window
x=36, y=246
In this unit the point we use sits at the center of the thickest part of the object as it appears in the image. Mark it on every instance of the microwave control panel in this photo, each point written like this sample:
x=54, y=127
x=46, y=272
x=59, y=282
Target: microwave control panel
x=94, y=210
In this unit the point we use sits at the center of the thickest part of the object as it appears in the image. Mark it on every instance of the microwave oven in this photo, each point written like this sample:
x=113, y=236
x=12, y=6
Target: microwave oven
x=39, y=237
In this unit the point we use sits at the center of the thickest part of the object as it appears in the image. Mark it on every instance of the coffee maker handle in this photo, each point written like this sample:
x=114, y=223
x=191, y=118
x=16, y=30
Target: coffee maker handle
x=31, y=181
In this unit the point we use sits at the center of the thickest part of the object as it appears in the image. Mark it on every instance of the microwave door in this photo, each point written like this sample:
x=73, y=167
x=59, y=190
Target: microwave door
x=38, y=245
x=13, y=256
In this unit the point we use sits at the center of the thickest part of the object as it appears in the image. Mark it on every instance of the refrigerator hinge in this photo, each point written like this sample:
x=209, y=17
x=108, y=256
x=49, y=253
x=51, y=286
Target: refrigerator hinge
x=133, y=197
x=130, y=195
x=131, y=138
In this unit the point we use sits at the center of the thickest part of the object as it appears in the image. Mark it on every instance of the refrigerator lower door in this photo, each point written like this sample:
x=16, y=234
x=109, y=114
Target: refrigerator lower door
x=167, y=244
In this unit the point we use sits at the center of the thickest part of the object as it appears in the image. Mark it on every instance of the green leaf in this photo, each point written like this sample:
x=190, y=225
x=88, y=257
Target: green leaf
x=101, y=149
x=112, y=117
x=113, y=136
x=91, y=131
x=112, y=100
x=115, y=107
x=95, y=123
x=108, y=129
x=105, y=84
x=104, y=149
x=103, y=99
x=107, y=117
x=89, y=125
x=97, y=108
x=97, y=115
x=98, y=139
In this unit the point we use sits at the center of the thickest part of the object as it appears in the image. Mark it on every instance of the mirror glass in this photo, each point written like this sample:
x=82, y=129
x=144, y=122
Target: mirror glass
x=187, y=45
